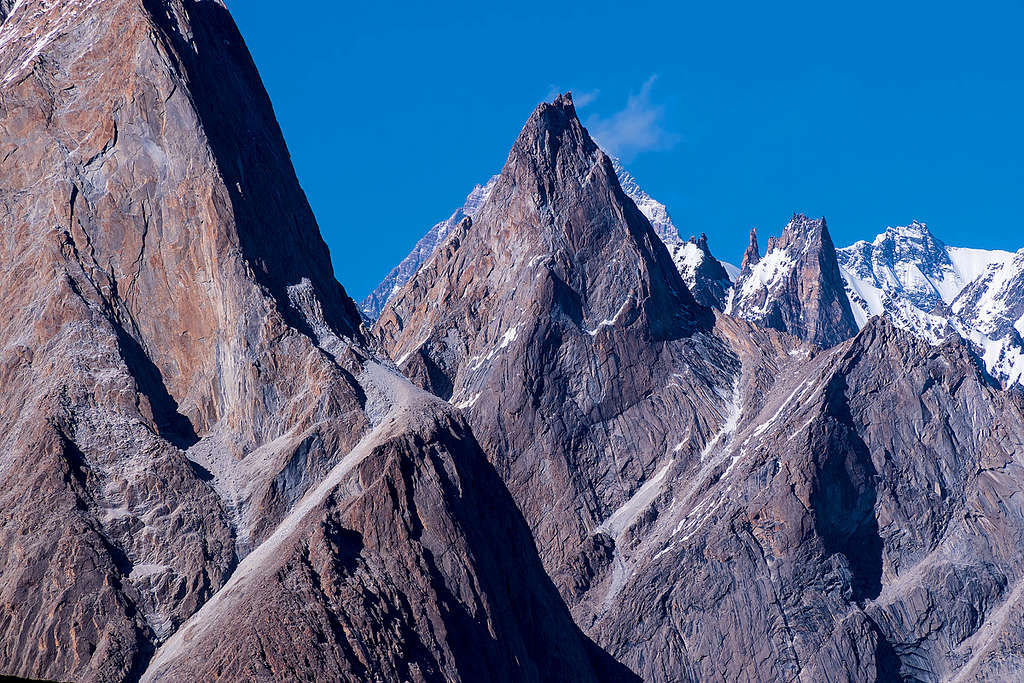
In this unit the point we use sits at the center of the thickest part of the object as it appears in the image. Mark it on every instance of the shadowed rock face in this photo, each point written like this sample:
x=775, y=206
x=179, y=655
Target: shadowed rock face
x=796, y=287
x=857, y=522
x=727, y=502
x=184, y=382
x=560, y=306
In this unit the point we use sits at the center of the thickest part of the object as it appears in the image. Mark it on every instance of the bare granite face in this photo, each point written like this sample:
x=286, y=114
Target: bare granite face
x=722, y=502
x=198, y=434
x=560, y=305
x=571, y=471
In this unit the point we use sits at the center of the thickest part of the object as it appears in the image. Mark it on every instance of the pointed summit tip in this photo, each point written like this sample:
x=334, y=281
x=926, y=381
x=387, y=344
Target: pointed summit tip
x=702, y=243
x=552, y=131
x=751, y=256
x=562, y=106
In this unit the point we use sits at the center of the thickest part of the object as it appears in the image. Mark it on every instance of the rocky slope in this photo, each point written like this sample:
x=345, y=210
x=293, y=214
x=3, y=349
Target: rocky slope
x=717, y=500
x=374, y=303
x=389, y=570
x=196, y=422
x=796, y=287
x=856, y=521
x=707, y=278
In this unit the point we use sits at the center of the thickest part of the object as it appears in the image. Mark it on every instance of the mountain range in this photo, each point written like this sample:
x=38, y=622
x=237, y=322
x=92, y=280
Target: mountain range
x=559, y=443
x=905, y=274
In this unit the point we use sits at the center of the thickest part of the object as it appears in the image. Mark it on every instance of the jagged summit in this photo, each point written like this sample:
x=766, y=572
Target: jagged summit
x=752, y=254
x=655, y=212
x=705, y=276
x=557, y=207
x=796, y=287
x=550, y=127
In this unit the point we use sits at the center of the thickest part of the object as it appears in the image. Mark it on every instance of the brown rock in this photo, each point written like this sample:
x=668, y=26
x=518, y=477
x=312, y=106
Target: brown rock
x=181, y=374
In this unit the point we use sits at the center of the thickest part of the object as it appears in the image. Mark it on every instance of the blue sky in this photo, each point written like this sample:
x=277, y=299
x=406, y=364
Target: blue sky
x=732, y=114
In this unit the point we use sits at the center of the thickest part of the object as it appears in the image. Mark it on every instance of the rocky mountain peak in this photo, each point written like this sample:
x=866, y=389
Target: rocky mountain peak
x=797, y=286
x=803, y=232
x=913, y=242
x=701, y=242
x=752, y=255
x=705, y=276
x=551, y=127
x=559, y=272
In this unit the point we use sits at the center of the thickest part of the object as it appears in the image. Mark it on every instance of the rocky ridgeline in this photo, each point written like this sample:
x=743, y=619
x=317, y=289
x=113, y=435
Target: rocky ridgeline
x=552, y=458
x=209, y=471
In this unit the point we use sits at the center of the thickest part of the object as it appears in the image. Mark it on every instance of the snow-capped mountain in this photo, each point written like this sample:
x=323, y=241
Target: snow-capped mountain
x=708, y=279
x=934, y=290
x=990, y=313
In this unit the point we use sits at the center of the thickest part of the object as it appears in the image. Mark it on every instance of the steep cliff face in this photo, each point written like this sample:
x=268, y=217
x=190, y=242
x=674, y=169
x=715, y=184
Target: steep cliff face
x=796, y=287
x=184, y=382
x=725, y=502
x=854, y=522
x=559, y=305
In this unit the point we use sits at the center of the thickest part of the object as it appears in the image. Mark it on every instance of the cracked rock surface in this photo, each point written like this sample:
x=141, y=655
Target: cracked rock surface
x=206, y=471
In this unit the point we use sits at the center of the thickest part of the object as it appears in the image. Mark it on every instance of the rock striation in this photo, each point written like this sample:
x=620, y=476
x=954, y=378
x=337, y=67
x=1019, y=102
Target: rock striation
x=853, y=522
x=196, y=421
x=560, y=305
x=725, y=502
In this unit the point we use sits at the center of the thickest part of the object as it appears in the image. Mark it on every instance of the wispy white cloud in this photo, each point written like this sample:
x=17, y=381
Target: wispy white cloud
x=638, y=127
x=582, y=98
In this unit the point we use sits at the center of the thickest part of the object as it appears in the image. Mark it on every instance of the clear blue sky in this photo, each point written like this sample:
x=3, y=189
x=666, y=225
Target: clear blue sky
x=732, y=114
